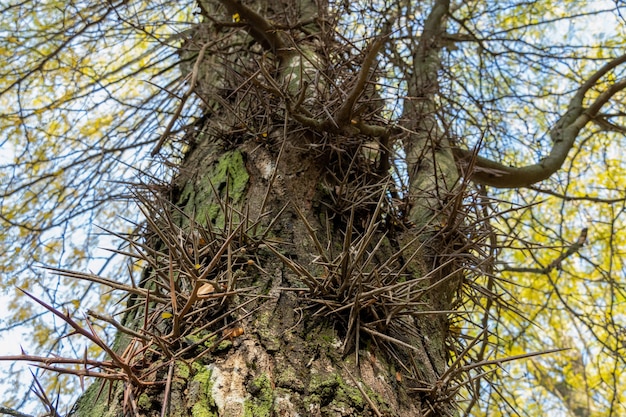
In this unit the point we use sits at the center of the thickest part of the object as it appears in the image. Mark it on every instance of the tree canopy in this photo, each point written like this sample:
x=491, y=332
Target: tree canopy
x=96, y=98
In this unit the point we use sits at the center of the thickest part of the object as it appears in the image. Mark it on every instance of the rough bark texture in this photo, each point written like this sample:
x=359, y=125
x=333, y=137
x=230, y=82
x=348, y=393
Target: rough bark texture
x=265, y=165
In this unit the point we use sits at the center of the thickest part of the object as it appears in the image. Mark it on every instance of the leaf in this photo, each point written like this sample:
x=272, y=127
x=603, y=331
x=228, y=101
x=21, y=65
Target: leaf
x=206, y=289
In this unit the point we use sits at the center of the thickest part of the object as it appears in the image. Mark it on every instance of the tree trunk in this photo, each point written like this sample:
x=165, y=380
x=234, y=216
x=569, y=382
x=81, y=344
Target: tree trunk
x=301, y=282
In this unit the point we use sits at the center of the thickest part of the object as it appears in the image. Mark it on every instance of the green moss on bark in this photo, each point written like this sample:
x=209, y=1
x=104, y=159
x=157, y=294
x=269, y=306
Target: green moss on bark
x=200, y=393
x=331, y=392
x=262, y=400
x=268, y=333
x=90, y=404
x=228, y=173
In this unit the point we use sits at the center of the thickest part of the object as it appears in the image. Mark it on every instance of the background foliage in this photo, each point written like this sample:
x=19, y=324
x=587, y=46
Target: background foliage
x=86, y=91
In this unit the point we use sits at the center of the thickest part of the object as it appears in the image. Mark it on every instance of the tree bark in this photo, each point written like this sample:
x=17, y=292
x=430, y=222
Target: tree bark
x=336, y=308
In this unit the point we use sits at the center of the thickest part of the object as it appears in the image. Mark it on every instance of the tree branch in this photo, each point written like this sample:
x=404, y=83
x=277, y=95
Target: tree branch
x=563, y=135
x=575, y=247
x=183, y=100
x=431, y=167
x=260, y=29
x=345, y=111
x=12, y=412
x=585, y=197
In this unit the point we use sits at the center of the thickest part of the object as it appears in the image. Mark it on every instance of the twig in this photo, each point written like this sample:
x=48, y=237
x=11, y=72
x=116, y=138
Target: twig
x=183, y=100
x=555, y=264
x=345, y=111
x=117, y=325
x=91, y=335
x=168, y=387
x=12, y=412
x=363, y=393
x=105, y=281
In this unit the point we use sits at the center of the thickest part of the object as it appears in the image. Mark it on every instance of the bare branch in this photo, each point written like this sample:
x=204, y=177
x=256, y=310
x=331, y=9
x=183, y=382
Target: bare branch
x=11, y=412
x=563, y=135
x=260, y=29
x=575, y=247
x=345, y=111
x=183, y=100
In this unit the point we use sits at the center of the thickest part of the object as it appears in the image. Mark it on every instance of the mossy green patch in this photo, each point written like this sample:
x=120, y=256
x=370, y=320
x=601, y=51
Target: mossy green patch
x=287, y=377
x=200, y=338
x=324, y=337
x=262, y=401
x=200, y=410
x=205, y=405
x=330, y=388
x=92, y=403
x=264, y=327
x=144, y=402
x=224, y=344
x=182, y=370
x=227, y=173
x=323, y=386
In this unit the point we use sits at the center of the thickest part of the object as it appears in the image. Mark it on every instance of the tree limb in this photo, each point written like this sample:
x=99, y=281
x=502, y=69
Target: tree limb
x=563, y=136
x=431, y=167
x=345, y=111
x=12, y=412
x=260, y=29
